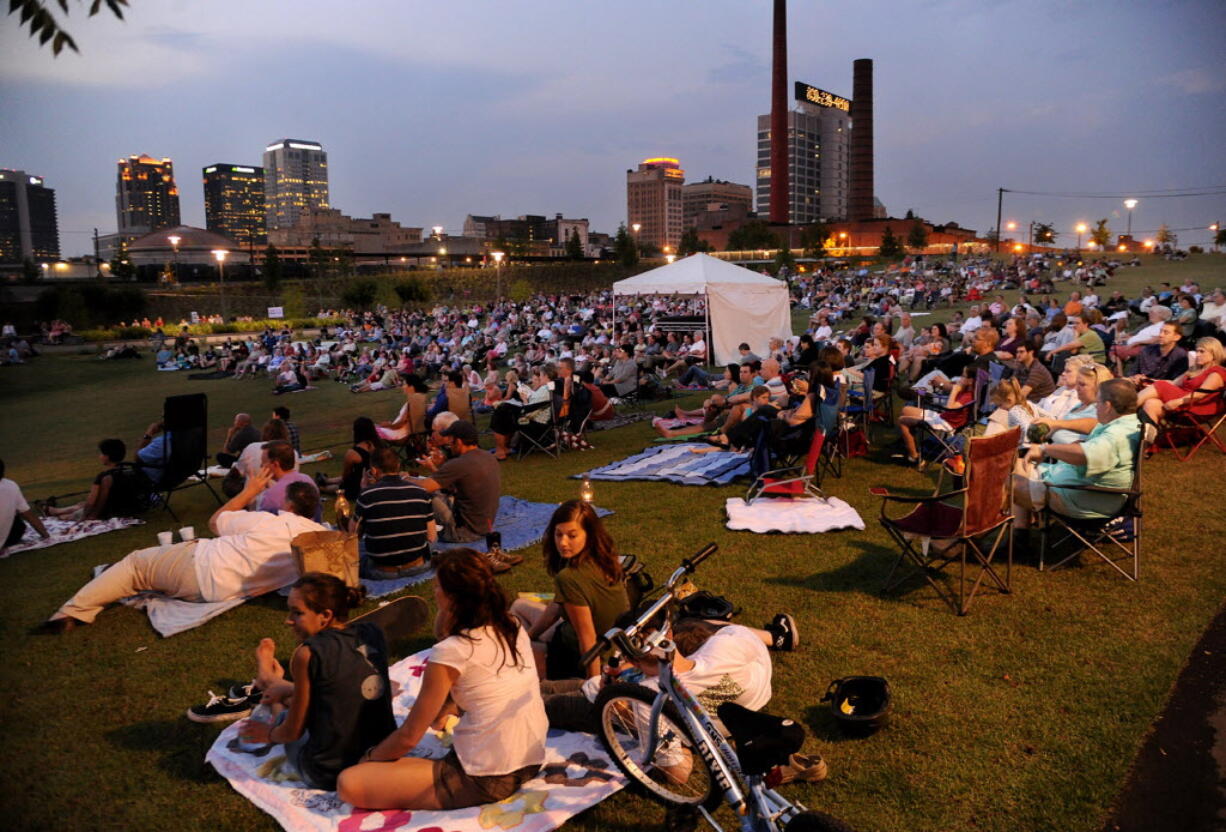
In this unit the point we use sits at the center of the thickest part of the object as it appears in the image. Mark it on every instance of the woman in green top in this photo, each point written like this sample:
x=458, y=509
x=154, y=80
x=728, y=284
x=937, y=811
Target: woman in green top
x=589, y=592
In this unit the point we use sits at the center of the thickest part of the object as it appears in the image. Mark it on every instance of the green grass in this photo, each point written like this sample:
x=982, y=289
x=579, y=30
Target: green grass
x=1023, y=715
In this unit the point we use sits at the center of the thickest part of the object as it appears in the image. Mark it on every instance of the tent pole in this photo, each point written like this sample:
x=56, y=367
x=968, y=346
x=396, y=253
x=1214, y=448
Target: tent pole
x=708, y=335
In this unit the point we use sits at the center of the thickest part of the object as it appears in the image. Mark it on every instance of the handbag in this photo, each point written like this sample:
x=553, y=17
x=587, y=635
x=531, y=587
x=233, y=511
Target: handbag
x=333, y=553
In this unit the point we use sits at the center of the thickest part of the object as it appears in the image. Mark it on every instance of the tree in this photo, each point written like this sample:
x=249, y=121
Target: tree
x=624, y=249
x=1165, y=236
x=272, y=268
x=917, y=237
x=813, y=240
x=784, y=258
x=1044, y=232
x=910, y=215
x=574, y=246
x=755, y=234
x=412, y=291
x=121, y=266
x=891, y=247
x=360, y=294
x=1219, y=239
x=1101, y=235
x=691, y=243
x=317, y=258
x=29, y=270
x=41, y=23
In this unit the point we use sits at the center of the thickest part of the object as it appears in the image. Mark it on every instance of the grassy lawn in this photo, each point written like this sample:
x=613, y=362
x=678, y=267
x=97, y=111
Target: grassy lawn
x=1026, y=714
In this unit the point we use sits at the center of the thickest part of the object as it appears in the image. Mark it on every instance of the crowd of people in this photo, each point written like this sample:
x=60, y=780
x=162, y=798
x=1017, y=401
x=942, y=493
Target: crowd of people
x=1078, y=377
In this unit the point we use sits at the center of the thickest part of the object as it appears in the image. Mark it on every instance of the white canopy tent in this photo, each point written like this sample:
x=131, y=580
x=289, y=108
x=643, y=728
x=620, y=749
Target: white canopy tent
x=742, y=305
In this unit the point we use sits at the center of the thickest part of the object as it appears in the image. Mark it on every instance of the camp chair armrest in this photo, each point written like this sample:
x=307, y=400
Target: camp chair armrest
x=1096, y=489
x=887, y=497
x=781, y=473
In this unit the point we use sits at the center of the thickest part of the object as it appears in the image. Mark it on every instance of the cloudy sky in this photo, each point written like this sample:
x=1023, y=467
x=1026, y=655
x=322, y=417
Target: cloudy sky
x=431, y=111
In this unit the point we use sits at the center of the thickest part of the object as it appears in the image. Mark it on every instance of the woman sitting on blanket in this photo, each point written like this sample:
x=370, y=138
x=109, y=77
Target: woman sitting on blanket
x=482, y=668
x=589, y=593
x=339, y=702
x=112, y=493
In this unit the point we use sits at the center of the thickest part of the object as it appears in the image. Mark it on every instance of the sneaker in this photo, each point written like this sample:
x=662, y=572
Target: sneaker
x=247, y=691
x=497, y=564
x=509, y=558
x=784, y=632
x=220, y=709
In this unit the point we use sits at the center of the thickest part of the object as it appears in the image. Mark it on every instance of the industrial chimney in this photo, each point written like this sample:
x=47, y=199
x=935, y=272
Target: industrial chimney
x=780, y=193
x=860, y=201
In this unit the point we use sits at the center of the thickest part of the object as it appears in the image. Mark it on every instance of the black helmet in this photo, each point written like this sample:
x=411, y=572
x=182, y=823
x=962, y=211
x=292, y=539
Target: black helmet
x=860, y=704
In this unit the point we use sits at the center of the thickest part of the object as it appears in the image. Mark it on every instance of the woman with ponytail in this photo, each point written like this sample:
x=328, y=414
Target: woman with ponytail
x=339, y=701
x=481, y=667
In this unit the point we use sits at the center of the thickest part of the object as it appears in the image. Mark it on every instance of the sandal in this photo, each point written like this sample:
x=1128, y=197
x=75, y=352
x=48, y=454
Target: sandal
x=809, y=768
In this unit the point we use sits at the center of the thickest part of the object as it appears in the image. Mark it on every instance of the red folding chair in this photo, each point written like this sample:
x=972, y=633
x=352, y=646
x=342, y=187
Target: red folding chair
x=796, y=482
x=1194, y=430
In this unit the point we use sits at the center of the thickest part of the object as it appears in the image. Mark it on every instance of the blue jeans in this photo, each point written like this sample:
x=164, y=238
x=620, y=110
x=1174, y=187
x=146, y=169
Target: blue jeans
x=696, y=375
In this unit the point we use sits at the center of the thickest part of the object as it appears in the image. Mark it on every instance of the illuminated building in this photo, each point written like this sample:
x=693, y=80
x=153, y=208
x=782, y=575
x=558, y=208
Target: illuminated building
x=819, y=160
x=28, y=228
x=295, y=181
x=531, y=234
x=146, y=197
x=375, y=235
x=234, y=203
x=654, y=202
x=712, y=195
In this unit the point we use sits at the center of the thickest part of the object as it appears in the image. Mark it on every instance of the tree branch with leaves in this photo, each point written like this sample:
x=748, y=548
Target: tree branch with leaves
x=36, y=16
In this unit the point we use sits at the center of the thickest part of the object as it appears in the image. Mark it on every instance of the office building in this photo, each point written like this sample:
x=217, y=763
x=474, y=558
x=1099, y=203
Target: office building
x=295, y=181
x=234, y=203
x=533, y=234
x=375, y=235
x=28, y=226
x=146, y=197
x=654, y=202
x=819, y=160
x=712, y=195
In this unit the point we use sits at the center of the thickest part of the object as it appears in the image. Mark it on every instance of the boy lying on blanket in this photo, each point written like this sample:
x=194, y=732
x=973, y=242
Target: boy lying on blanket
x=251, y=555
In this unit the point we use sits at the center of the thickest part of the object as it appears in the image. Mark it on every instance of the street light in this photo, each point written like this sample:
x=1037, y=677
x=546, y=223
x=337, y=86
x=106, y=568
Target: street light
x=442, y=252
x=438, y=231
x=220, y=254
x=174, y=243
x=1130, y=204
x=843, y=242
x=670, y=257
x=1081, y=229
x=498, y=255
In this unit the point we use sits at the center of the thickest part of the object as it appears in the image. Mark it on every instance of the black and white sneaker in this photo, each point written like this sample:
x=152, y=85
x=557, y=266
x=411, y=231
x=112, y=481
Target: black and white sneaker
x=784, y=632
x=220, y=709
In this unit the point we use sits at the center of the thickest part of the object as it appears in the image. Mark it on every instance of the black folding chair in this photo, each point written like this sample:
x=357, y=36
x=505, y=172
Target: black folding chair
x=532, y=436
x=185, y=456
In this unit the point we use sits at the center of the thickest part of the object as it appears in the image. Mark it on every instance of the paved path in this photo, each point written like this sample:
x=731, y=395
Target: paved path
x=1178, y=781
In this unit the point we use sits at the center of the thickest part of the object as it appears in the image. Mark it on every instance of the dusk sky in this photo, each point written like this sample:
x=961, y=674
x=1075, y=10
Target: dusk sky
x=431, y=111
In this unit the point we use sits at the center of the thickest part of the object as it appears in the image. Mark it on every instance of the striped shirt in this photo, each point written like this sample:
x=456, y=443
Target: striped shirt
x=394, y=515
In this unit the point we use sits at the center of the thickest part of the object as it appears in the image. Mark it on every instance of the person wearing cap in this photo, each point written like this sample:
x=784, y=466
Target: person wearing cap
x=466, y=488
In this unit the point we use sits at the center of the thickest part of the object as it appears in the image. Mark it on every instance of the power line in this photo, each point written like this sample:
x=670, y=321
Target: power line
x=1216, y=190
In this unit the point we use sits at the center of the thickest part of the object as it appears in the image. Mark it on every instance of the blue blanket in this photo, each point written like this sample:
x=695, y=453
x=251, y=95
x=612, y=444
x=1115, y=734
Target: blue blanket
x=675, y=463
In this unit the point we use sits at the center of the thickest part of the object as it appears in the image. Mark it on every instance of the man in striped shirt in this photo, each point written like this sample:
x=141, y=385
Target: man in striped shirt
x=396, y=522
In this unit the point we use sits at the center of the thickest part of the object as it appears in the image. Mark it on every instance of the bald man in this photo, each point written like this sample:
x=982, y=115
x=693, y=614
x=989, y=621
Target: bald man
x=241, y=434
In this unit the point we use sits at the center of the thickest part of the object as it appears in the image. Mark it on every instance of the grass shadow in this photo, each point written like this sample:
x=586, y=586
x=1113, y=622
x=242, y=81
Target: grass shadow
x=182, y=745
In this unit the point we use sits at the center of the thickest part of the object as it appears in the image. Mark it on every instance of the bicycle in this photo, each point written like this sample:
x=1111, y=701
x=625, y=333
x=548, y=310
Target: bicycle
x=667, y=743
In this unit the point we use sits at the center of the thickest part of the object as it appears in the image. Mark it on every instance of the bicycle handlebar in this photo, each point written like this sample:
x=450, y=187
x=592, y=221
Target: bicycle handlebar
x=691, y=563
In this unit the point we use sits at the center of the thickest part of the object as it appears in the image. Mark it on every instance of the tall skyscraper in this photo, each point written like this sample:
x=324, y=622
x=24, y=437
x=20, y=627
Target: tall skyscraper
x=28, y=227
x=146, y=197
x=654, y=201
x=234, y=203
x=819, y=161
x=295, y=181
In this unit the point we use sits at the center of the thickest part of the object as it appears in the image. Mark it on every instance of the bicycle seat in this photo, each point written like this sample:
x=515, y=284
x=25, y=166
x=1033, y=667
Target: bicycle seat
x=762, y=741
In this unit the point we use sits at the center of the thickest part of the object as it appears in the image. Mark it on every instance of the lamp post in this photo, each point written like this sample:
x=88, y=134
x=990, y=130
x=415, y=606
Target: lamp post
x=174, y=243
x=1130, y=204
x=1213, y=229
x=220, y=254
x=442, y=252
x=498, y=255
x=843, y=243
x=1081, y=229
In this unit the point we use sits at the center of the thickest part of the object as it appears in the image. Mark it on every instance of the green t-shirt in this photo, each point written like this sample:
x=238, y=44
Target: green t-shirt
x=1110, y=450
x=1092, y=344
x=585, y=585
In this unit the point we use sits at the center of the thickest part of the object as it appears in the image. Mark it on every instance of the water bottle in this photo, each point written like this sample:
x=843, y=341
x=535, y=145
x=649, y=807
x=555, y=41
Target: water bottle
x=262, y=714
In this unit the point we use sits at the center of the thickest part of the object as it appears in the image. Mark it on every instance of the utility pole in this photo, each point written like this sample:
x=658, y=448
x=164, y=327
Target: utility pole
x=1000, y=199
x=97, y=260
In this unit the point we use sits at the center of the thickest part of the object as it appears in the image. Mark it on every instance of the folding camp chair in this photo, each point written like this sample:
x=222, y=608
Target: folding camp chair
x=1194, y=430
x=972, y=533
x=185, y=457
x=532, y=436
x=948, y=443
x=1103, y=536
x=793, y=481
x=859, y=405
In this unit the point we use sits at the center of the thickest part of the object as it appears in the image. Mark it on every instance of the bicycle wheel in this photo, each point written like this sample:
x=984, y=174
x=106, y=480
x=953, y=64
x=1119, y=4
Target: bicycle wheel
x=677, y=772
x=813, y=821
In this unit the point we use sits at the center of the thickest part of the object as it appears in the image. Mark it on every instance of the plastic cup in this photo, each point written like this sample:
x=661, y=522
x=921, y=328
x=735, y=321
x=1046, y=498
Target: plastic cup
x=166, y=538
x=187, y=533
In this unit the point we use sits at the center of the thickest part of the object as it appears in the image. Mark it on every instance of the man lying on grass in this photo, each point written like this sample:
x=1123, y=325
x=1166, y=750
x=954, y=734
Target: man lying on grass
x=251, y=555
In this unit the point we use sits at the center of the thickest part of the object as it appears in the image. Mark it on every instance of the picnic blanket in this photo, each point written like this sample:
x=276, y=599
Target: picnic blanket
x=803, y=516
x=620, y=420
x=675, y=463
x=520, y=522
x=65, y=531
x=577, y=774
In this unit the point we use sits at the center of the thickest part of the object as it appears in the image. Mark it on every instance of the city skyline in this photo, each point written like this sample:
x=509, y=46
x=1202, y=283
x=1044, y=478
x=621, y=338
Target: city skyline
x=430, y=114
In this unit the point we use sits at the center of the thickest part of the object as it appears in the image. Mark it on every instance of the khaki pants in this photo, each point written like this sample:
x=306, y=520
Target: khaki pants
x=167, y=569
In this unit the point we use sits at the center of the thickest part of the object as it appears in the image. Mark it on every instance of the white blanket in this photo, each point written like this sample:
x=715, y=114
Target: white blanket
x=799, y=516
x=577, y=774
x=65, y=531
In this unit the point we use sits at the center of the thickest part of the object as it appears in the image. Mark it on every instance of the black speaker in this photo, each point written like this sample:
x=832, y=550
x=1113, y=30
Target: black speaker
x=190, y=410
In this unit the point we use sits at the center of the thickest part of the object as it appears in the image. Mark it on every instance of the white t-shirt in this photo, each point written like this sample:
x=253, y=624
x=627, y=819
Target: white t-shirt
x=732, y=666
x=504, y=724
x=252, y=554
x=698, y=349
x=11, y=502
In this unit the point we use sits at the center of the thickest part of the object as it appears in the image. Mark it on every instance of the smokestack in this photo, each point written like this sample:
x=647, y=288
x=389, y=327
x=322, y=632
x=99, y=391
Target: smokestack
x=779, y=117
x=860, y=201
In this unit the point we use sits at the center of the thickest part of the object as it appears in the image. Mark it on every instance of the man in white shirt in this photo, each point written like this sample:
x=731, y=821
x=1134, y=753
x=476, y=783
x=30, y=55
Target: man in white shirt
x=971, y=324
x=250, y=555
